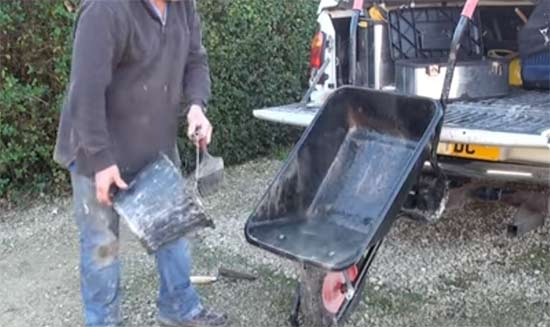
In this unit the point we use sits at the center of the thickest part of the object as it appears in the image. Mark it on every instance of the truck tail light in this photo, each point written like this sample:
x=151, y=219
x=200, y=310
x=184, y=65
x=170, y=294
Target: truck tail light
x=317, y=50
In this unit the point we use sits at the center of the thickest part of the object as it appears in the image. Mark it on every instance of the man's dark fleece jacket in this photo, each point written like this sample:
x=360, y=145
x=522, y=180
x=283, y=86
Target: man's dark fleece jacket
x=131, y=79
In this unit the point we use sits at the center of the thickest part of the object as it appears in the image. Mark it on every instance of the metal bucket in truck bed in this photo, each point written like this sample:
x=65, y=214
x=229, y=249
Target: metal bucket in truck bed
x=346, y=179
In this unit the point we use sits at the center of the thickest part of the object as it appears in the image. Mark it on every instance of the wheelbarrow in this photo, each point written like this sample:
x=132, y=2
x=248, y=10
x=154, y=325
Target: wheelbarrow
x=343, y=185
x=346, y=179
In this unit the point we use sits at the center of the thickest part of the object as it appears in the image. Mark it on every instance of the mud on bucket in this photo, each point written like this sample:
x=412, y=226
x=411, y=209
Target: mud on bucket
x=161, y=205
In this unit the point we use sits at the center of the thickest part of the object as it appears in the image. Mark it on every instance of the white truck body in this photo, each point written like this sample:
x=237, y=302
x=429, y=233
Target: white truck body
x=506, y=139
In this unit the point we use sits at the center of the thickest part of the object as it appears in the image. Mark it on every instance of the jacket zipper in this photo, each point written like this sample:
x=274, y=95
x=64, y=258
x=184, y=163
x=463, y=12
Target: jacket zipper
x=163, y=25
x=155, y=15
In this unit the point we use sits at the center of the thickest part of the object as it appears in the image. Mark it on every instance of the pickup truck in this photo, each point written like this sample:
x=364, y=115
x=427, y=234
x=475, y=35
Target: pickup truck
x=502, y=143
x=495, y=140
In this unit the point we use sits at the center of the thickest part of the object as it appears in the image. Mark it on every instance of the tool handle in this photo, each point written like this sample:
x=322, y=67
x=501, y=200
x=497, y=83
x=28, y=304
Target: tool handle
x=229, y=273
x=203, y=146
x=202, y=280
x=201, y=142
x=467, y=14
x=521, y=15
x=469, y=8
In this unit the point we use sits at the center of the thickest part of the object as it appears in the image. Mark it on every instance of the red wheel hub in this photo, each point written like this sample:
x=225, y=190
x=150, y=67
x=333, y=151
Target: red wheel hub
x=334, y=288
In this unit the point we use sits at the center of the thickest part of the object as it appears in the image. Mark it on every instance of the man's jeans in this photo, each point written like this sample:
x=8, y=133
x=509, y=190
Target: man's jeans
x=100, y=266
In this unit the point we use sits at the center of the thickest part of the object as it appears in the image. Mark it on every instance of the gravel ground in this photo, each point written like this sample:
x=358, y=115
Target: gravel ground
x=462, y=271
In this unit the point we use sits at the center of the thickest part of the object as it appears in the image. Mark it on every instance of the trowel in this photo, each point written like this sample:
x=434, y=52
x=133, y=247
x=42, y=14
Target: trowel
x=222, y=273
x=209, y=171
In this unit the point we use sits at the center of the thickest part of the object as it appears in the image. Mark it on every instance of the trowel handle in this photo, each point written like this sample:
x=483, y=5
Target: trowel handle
x=203, y=146
x=201, y=280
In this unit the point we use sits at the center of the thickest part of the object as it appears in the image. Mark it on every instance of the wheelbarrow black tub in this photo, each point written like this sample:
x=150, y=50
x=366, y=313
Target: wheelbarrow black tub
x=346, y=179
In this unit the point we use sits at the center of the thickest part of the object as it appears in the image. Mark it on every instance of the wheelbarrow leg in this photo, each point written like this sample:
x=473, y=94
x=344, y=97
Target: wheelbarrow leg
x=309, y=308
x=360, y=283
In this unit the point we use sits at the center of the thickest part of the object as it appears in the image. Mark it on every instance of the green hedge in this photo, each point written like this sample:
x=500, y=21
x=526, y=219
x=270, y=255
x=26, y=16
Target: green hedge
x=258, y=57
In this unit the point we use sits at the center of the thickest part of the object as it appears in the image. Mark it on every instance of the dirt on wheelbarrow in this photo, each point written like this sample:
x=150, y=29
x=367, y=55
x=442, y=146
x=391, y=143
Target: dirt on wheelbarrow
x=462, y=271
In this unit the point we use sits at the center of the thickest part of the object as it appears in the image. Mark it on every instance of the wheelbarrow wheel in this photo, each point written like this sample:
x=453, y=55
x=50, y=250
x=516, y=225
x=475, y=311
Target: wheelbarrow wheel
x=322, y=298
x=313, y=311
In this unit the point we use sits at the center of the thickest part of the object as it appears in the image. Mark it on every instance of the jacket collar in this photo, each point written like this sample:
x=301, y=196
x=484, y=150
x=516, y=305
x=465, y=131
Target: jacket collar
x=149, y=7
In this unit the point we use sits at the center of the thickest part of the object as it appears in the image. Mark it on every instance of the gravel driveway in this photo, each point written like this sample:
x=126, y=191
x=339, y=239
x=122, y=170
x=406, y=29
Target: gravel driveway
x=462, y=271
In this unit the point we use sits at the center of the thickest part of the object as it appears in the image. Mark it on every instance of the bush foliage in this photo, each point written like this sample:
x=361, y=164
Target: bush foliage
x=258, y=56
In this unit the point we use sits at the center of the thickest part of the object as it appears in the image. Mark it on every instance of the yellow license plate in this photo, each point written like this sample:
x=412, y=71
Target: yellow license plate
x=472, y=151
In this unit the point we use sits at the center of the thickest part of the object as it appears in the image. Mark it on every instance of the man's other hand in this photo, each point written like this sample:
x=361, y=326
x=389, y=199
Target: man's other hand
x=199, y=128
x=103, y=181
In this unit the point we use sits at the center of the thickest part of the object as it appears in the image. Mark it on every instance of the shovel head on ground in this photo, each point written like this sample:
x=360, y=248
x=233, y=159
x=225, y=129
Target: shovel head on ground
x=161, y=206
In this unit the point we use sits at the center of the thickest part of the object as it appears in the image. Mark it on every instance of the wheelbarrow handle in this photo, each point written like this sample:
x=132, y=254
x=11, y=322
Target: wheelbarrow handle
x=469, y=8
x=352, y=50
x=466, y=16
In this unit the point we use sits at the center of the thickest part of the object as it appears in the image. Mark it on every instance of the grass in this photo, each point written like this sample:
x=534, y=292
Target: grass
x=537, y=258
x=393, y=302
x=463, y=281
x=276, y=291
x=271, y=289
x=281, y=152
x=510, y=312
x=411, y=308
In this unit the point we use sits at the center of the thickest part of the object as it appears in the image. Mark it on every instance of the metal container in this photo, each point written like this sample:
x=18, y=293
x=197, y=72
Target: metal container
x=475, y=79
x=375, y=65
x=161, y=205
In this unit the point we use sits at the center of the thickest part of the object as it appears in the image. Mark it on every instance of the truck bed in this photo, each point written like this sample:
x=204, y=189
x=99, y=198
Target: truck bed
x=522, y=112
x=520, y=119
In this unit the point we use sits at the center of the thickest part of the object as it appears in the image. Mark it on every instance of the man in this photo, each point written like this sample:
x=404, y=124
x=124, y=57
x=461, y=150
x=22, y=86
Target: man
x=134, y=61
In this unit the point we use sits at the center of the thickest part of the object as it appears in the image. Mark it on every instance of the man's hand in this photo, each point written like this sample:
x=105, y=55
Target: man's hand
x=199, y=127
x=103, y=181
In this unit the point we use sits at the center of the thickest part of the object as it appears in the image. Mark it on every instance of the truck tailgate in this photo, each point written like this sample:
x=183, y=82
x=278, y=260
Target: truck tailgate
x=297, y=114
x=521, y=119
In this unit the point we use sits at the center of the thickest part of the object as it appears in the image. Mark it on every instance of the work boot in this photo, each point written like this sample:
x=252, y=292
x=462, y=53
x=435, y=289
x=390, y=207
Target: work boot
x=206, y=318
